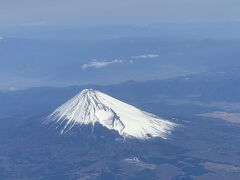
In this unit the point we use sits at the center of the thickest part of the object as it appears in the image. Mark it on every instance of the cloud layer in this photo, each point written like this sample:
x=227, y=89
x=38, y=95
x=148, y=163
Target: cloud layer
x=146, y=56
x=97, y=64
x=100, y=64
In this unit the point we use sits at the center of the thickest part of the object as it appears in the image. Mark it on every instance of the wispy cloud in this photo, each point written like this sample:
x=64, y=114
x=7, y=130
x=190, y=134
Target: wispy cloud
x=95, y=63
x=146, y=56
x=100, y=63
x=38, y=23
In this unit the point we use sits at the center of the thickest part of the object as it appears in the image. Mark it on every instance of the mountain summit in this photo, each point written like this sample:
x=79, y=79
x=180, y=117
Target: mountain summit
x=92, y=106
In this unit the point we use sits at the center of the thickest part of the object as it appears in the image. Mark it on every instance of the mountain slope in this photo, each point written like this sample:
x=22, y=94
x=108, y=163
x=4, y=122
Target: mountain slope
x=91, y=107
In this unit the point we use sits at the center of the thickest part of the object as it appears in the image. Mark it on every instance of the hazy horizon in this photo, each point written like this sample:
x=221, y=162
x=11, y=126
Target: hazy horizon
x=47, y=43
x=108, y=12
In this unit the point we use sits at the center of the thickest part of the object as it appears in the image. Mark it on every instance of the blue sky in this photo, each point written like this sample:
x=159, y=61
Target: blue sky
x=113, y=12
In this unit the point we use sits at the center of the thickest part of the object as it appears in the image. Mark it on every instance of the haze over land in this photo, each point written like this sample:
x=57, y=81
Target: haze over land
x=59, y=43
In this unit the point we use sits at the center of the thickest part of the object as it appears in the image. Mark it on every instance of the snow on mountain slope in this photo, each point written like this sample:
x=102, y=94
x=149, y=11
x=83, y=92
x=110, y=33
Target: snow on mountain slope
x=92, y=106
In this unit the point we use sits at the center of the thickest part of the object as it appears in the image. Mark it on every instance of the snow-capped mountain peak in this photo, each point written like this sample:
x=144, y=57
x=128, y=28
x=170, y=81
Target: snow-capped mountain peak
x=92, y=106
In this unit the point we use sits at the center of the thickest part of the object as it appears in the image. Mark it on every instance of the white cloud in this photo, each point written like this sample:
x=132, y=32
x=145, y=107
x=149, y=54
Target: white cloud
x=1, y=38
x=100, y=64
x=146, y=56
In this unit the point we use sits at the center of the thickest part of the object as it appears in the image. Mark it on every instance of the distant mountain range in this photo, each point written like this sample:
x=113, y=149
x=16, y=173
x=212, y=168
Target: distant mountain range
x=213, y=86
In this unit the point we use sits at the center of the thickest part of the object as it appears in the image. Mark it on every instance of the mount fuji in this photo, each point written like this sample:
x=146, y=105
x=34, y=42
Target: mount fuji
x=91, y=106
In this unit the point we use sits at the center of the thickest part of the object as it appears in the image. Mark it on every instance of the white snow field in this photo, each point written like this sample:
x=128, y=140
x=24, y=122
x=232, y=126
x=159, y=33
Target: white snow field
x=92, y=106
